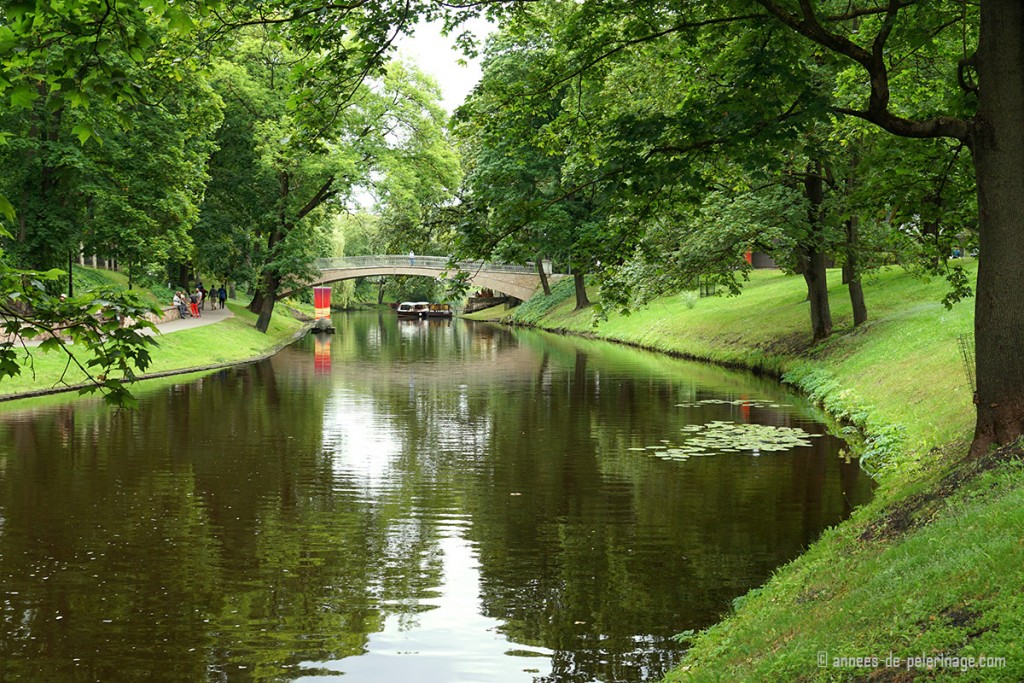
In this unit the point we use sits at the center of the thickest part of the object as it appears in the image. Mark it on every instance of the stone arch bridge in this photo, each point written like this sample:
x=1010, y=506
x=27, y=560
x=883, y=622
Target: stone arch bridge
x=518, y=281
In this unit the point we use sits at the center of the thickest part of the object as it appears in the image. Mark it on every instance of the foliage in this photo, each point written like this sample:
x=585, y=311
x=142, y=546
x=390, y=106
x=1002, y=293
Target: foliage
x=417, y=169
x=94, y=167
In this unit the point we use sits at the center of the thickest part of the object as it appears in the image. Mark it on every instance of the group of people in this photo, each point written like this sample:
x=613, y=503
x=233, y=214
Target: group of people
x=192, y=305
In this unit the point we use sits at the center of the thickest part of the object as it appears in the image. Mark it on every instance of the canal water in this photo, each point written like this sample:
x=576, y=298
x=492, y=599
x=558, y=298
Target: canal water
x=432, y=501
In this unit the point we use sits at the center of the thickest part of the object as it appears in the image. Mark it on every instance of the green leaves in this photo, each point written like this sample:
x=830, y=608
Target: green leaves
x=83, y=131
x=179, y=20
x=23, y=96
x=6, y=208
x=156, y=7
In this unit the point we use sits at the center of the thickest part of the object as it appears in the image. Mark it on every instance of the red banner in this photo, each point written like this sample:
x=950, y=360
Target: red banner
x=322, y=302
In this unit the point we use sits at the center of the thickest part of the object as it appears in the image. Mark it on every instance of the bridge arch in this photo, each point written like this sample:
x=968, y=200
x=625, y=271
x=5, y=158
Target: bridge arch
x=518, y=281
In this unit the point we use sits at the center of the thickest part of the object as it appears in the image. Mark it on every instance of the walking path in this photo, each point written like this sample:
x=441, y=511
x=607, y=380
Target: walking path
x=208, y=318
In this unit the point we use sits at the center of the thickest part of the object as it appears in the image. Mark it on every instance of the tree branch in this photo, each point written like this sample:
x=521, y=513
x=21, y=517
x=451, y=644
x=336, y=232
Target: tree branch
x=936, y=127
x=322, y=195
x=873, y=62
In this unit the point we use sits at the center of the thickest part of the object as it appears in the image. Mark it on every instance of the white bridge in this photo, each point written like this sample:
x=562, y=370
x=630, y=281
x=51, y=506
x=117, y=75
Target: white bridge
x=518, y=281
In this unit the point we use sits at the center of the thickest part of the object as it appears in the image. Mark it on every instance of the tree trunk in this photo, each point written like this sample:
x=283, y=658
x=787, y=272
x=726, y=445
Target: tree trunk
x=265, y=297
x=997, y=143
x=930, y=238
x=256, y=303
x=581, y=291
x=814, y=259
x=268, y=296
x=543, y=277
x=266, y=292
x=183, y=276
x=815, y=276
x=851, y=266
x=852, y=276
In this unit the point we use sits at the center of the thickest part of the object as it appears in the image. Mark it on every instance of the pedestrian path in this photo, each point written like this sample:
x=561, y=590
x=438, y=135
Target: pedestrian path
x=208, y=318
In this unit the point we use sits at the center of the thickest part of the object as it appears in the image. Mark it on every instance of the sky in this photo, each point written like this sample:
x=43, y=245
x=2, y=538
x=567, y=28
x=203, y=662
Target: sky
x=435, y=55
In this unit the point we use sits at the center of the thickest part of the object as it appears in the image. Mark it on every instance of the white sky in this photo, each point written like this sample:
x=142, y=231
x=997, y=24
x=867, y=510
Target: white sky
x=436, y=55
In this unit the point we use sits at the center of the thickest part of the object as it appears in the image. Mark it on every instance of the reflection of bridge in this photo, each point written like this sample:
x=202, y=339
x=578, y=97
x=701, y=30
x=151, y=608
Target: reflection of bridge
x=518, y=281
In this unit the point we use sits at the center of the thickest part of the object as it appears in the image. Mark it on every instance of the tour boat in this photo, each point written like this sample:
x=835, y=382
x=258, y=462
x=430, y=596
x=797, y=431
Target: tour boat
x=423, y=309
x=413, y=309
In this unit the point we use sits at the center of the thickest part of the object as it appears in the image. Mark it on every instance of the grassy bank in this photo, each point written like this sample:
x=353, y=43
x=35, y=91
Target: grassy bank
x=934, y=566
x=230, y=341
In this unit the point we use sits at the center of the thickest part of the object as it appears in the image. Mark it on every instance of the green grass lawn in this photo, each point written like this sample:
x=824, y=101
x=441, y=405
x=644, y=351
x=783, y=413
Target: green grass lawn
x=230, y=341
x=934, y=565
x=492, y=314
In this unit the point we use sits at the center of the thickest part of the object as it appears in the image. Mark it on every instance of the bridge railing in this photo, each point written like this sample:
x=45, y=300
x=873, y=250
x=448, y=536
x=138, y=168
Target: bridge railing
x=438, y=262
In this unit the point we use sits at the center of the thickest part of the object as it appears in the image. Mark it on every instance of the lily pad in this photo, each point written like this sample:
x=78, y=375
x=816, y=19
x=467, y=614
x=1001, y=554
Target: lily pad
x=727, y=436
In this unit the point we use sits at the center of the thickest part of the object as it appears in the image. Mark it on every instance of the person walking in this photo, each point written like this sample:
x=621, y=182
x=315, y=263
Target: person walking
x=222, y=294
x=193, y=303
x=202, y=298
x=412, y=258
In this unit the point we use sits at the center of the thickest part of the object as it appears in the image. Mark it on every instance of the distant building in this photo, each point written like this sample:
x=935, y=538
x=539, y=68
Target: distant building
x=759, y=260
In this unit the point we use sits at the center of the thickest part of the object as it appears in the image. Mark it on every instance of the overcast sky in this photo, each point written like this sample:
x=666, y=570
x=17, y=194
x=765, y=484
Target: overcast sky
x=436, y=56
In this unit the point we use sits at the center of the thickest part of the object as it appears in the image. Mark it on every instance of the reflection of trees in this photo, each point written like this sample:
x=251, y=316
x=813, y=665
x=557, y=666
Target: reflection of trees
x=192, y=538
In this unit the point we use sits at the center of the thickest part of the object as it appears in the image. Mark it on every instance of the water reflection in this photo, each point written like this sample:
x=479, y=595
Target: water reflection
x=439, y=501
x=322, y=354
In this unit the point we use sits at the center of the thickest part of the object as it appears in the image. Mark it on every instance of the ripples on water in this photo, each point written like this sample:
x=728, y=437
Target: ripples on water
x=398, y=502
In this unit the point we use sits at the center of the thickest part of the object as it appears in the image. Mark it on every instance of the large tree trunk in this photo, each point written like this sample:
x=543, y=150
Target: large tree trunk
x=581, y=291
x=814, y=259
x=815, y=276
x=851, y=275
x=269, y=285
x=998, y=149
x=543, y=277
x=255, y=304
x=266, y=293
x=851, y=264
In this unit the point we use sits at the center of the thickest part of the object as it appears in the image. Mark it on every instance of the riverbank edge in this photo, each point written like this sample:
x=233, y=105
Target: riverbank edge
x=278, y=345
x=786, y=628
